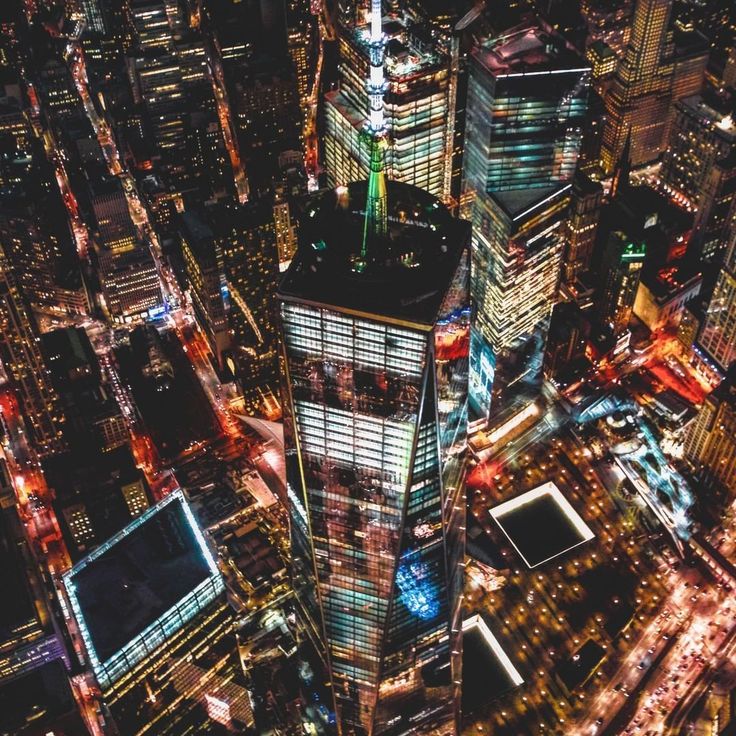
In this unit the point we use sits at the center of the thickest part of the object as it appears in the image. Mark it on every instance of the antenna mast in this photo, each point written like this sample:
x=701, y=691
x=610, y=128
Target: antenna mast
x=376, y=211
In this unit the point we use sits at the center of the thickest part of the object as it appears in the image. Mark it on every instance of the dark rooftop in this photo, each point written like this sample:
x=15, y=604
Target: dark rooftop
x=139, y=577
x=527, y=48
x=407, y=273
x=517, y=202
x=17, y=608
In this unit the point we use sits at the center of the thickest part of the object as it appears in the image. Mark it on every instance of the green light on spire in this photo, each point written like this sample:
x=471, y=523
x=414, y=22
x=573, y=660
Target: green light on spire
x=376, y=212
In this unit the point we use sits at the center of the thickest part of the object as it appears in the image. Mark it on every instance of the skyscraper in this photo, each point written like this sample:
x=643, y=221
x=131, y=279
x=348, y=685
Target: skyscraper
x=620, y=271
x=419, y=110
x=710, y=443
x=716, y=209
x=581, y=225
x=517, y=259
x=376, y=379
x=701, y=135
x=27, y=638
x=375, y=319
x=639, y=97
x=526, y=111
x=717, y=338
x=658, y=67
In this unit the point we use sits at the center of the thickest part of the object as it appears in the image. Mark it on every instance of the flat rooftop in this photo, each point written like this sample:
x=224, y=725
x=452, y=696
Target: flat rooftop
x=129, y=582
x=527, y=48
x=519, y=204
x=407, y=273
x=722, y=120
x=541, y=524
x=18, y=608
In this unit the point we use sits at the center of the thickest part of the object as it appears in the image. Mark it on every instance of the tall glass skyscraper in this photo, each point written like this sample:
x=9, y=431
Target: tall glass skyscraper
x=526, y=111
x=376, y=336
x=419, y=110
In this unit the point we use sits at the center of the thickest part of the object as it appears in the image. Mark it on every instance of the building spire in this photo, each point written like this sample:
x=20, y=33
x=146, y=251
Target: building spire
x=376, y=210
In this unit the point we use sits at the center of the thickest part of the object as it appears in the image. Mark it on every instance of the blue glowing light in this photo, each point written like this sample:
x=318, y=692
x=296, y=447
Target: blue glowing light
x=156, y=312
x=416, y=589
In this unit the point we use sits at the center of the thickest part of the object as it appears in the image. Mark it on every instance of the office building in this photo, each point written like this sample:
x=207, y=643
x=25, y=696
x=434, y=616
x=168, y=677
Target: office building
x=247, y=236
x=517, y=258
x=131, y=287
x=112, y=216
x=717, y=337
x=32, y=253
x=375, y=319
x=58, y=93
x=374, y=367
x=95, y=494
x=155, y=22
x=95, y=16
x=716, y=209
x=710, y=442
x=565, y=349
x=27, y=637
x=301, y=39
x=284, y=227
x=526, y=112
x=640, y=95
x=620, y=272
x=94, y=421
x=419, y=110
x=581, y=225
x=23, y=364
x=205, y=272
x=701, y=135
x=659, y=67
x=161, y=87
x=602, y=62
x=662, y=296
x=608, y=23
x=160, y=644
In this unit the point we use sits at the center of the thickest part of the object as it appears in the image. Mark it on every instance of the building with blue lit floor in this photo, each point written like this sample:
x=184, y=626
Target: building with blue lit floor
x=375, y=323
x=525, y=115
x=151, y=612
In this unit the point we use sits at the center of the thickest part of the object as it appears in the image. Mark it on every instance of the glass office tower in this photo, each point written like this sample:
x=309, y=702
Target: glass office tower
x=419, y=109
x=525, y=115
x=526, y=112
x=376, y=337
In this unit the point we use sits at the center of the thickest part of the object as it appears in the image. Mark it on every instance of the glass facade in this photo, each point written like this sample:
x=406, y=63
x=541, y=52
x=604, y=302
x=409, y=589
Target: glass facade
x=375, y=424
x=418, y=111
x=526, y=111
x=522, y=130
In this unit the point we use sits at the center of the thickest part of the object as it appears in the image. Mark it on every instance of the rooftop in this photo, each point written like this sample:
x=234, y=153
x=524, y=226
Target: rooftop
x=527, y=48
x=198, y=235
x=407, y=273
x=409, y=50
x=17, y=609
x=714, y=113
x=138, y=575
x=517, y=203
